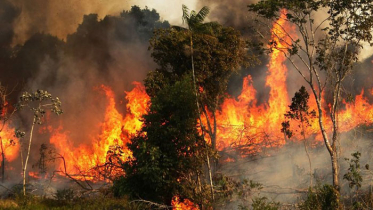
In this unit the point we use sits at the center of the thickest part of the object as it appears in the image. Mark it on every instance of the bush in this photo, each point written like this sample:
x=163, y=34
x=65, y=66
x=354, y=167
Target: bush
x=323, y=197
x=64, y=195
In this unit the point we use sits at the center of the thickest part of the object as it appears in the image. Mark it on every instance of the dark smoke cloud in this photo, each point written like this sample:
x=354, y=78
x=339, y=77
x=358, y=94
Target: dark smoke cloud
x=8, y=13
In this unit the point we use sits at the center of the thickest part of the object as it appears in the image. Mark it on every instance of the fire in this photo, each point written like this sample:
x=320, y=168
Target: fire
x=185, y=205
x=242, y=121
x=34, y=175
x=137, y=104
x=109, y=149
x=10, y=143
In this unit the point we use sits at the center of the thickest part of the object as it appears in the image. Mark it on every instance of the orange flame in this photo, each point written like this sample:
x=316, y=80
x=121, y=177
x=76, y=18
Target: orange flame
x=106, y=153
x=185, y=205
x=242, y=121
x=7, y=139
x=10, y=143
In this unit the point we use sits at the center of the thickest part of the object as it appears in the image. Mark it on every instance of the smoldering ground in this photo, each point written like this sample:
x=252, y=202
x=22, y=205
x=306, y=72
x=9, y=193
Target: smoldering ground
x=285, y=173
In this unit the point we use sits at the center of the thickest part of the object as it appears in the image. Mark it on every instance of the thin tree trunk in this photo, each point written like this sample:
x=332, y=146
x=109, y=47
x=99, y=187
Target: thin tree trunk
x=305, y=148
x=27, y=157
x=331, y=150
x=335, y=170
x=213, y=139
x=199, y=116
x=210, y=176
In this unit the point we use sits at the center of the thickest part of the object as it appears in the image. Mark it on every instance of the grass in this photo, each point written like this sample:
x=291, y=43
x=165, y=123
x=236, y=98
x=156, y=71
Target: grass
x=36, y=203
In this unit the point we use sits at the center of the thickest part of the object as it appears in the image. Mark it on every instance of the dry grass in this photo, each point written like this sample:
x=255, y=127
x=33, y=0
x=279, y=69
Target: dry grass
x=7, y=204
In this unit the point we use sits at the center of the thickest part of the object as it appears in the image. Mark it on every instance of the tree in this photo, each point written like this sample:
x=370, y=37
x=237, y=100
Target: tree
x=6, y=112
x=325, y=52
x=216, y=52
x=168, y=152
x=299, y=111
x=37, y=102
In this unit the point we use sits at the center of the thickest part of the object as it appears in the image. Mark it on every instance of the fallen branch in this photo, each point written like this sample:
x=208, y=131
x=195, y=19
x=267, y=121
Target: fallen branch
x=150, y=203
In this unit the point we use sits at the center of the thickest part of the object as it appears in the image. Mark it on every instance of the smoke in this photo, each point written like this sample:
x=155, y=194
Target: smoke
x=8, y=13
x=62, y=18
x=285, y=174
x=229, y=13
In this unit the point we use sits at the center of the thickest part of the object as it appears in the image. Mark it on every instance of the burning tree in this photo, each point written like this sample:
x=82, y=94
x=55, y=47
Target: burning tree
x=6, y=113
x=325, y=52
x=37, y=102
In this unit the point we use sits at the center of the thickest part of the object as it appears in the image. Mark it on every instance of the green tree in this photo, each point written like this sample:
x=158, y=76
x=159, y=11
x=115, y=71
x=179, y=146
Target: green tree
x=325, y=52
x=353, y=175
x=210, y=51
x=168, y=152
x=299, y=111
x=37, y=102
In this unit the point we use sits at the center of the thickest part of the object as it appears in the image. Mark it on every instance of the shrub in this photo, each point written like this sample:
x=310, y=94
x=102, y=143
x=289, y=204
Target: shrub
x=323, y=197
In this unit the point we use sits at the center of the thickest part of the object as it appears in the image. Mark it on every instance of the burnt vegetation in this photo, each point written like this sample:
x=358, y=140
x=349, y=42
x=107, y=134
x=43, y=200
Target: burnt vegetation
x=184, y=140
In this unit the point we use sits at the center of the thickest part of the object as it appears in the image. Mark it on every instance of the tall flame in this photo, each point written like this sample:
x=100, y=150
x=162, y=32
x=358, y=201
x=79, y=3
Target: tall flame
x=242, y=121
x=111, y=143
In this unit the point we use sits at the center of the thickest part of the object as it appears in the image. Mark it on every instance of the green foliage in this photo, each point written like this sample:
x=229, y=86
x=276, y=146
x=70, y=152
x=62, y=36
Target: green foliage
x=195, y=20
x=349, y=20
x=261, y=203
x=217, y=53
x=353, y=175
x=39, y=97
x=323, y=197
x=19, y=134
x=64, y=195
x=228, y=189
x=168, y=152
x=143, y=20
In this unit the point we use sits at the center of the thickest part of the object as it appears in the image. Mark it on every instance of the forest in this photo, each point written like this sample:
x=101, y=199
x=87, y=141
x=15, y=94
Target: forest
x=259, y=104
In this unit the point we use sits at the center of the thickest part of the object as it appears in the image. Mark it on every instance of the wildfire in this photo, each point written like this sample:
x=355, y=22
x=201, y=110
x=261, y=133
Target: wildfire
x=103, y=157
x=240, y=123
x=243, y=122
